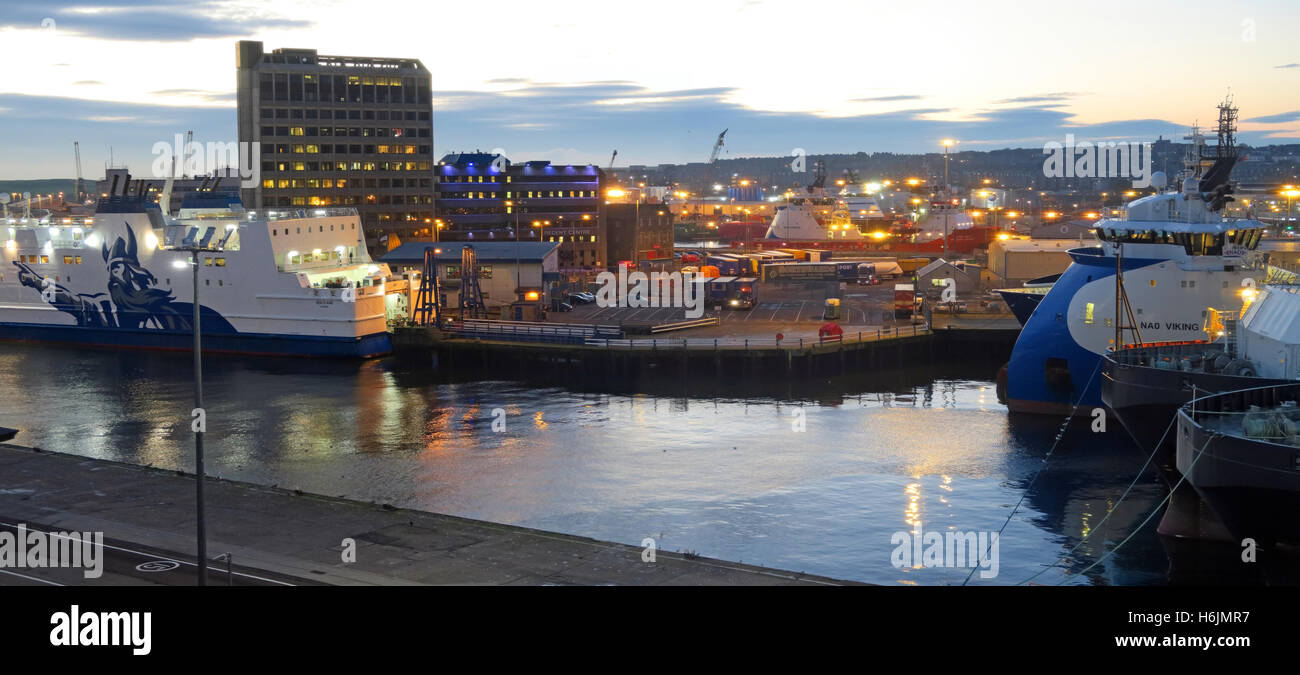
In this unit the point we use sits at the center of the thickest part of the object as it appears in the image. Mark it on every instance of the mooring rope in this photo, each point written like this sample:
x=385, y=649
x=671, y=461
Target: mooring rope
x=1199, y=453
x=1111, y=510
x=1023, y=495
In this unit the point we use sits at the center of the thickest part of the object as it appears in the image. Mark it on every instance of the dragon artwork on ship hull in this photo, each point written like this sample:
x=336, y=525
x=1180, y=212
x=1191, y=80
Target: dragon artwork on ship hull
x=134, y=300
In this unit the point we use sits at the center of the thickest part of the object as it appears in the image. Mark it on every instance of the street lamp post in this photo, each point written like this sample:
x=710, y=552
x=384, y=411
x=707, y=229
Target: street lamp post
x=947, y=208
x=198, y=433
x=517, y=279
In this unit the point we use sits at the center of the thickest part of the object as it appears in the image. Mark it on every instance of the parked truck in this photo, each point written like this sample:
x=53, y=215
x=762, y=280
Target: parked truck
x=904, y=301
x=742, y=293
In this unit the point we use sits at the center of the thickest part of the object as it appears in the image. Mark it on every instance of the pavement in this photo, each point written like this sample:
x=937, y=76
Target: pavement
x=975, y=321
x=866, y=309
x=282, y=537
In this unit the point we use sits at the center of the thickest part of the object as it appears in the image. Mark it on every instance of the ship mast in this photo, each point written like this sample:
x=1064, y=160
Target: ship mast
x=1122, y=303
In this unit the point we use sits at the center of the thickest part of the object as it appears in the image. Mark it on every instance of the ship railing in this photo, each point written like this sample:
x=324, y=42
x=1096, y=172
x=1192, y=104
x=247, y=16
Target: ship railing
x=1147, y=354
x=1229, y=412
x=339, y=292
x=301, y=214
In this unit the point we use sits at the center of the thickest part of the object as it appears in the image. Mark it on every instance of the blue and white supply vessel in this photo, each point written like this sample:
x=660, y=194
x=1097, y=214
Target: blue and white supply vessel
x=1178, y=256
x=295, y=283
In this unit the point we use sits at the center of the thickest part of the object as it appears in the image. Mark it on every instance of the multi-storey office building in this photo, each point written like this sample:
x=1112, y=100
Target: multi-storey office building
x=485, y=197
x=340, y=131
x=638, y=233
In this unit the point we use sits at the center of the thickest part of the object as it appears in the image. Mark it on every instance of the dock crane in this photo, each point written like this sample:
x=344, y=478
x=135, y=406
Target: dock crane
x=713, y=156
x=611, y=161
x=717, y=147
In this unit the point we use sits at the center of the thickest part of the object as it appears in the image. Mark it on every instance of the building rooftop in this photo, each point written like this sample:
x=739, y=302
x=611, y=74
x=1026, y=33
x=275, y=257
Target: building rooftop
x=466, y=158
x=412, y=253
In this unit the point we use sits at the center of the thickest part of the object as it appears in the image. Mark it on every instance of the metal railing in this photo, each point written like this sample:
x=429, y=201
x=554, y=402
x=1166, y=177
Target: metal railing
x=746, y=344
x=533, y=331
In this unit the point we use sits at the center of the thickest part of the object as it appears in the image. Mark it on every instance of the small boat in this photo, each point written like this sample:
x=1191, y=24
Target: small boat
x=1022, y=301
x=1240, y=450
x=1144, y=385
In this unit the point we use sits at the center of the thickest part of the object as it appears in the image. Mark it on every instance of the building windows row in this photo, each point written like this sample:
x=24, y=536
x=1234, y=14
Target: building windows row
x=343, y=88
x=539, y=194
x=343, y=183
x=313, y=114
x=342, y=149
x=361, y=132
x=346, y=166
x=350, y=200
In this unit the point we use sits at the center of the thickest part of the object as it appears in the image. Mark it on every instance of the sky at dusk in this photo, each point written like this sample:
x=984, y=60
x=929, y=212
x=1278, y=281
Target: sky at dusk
x=570, y=82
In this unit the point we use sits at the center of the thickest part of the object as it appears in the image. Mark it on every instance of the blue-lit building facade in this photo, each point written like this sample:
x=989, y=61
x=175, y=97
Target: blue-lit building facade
x=485, y=197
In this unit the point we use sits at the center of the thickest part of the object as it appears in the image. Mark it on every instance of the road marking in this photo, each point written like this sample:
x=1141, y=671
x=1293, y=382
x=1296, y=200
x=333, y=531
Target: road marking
x=24, y=576
x=800, y=312
x=154, y=556
x=157, y=566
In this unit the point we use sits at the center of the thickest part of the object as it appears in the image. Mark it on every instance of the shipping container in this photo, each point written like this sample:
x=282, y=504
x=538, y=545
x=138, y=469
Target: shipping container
x=796, y=271
x=728, y=265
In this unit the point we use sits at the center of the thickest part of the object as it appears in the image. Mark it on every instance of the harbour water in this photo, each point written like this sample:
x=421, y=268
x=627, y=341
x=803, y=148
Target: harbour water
x=817, y=477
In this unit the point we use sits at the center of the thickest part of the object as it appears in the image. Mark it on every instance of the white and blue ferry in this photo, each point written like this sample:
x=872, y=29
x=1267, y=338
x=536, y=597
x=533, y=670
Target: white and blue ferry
x=294, y=283
x=1178, y=256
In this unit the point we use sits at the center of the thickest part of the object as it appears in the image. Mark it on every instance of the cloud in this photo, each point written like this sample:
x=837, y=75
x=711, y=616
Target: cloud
x=537, y=121
x=1279, y=118
x=897, y=97
x=650, y=127
x=1288, y=65
x=1060, y=96
x=207, y=96
x=40, y=129
x=88, y=82
x=144, y=20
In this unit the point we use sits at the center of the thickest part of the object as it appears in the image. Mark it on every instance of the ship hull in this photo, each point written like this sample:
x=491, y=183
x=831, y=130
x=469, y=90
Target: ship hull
x=1252, y=485
x=1145, y=399
x=1022, y=304
x=1056, y=362
x=251, y=344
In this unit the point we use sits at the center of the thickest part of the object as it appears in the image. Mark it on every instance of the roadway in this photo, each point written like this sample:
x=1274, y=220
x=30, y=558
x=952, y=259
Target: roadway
x=127, y=564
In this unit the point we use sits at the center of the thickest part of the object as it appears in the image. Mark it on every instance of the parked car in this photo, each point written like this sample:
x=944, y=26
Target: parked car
x=560, y=306
x=580, y=298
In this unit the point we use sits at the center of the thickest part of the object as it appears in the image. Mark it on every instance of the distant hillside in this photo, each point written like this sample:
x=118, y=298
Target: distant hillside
x=48, y=186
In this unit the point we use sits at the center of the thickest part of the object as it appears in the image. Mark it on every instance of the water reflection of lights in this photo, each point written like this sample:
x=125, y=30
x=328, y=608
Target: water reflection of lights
x=538, y=421
x=913, y=515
